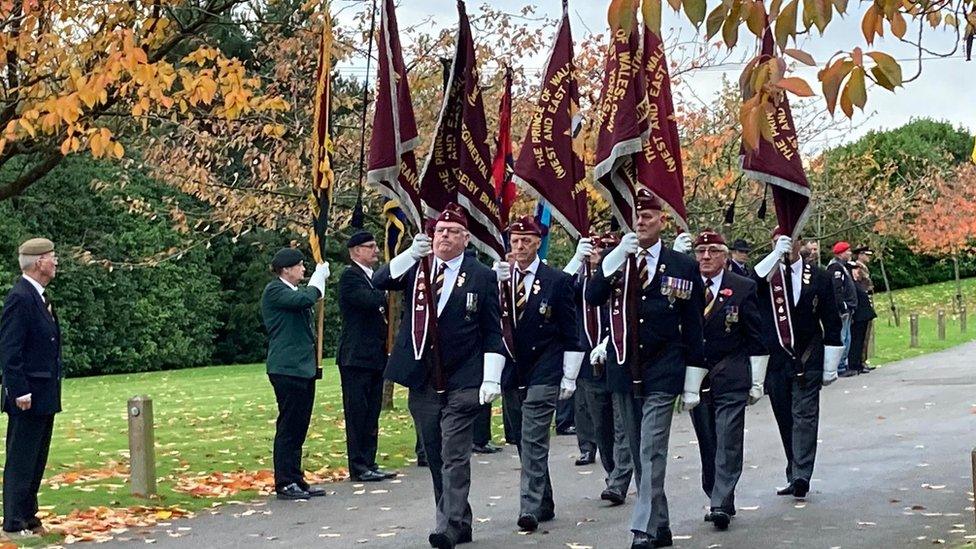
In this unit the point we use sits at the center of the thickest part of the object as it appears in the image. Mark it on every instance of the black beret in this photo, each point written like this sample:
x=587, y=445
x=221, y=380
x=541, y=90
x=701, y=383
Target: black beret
x=359, y=238
x=287, y=257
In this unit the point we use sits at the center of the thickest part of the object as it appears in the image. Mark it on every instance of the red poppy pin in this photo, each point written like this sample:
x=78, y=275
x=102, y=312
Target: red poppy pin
x=727, y=292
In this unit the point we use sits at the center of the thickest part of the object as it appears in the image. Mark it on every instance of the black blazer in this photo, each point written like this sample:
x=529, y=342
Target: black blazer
x=816, y=322
x=865, y=306
x=745, y=271
x=845, y=294
x=464, y=335
x=545, y=331
x=733, y=333
x=30, y=350
x=586, y=371
x=362, y=342
x=670, y=334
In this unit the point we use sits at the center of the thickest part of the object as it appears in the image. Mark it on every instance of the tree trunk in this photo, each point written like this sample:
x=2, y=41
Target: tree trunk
x=891, y=298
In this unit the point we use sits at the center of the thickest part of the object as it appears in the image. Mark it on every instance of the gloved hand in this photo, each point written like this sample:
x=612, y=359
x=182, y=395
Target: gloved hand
x=319, y=276
x=784, y=245
x=419, y=249
x=583, y=250
x=618, y=256
x=693, y=380
x=599, y=353
x=491, y=386
x=503, y=271
x=572, y=361
x=757, y=365
x=682, y=244
x=832, y=357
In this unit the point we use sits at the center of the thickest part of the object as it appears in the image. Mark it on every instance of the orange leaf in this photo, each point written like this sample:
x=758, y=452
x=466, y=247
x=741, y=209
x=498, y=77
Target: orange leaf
x=796, y=86
x=870, y=23
x=801, y=56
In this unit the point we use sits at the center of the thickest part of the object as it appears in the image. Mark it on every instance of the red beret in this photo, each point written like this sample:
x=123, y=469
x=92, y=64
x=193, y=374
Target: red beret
x=526, y=224
x=709, y=236
x=453, y=214
x=647, y=201
x=841, y=247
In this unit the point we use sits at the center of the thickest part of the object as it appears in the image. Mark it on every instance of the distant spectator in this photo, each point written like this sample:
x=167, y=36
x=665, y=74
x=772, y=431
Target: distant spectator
x=739, y=258
x=845, y=297
x=864, y=314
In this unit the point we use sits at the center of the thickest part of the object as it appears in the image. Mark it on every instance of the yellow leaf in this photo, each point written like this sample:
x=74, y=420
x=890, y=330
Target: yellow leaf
x=730, y=30
x=855, y=89
x=796, y=86
x=118, y=151
x=786, y=24
x=651, y=9
x=715, y=19
x=845, y=104
x=28, y=127
x=890, y=69
x=695, y=10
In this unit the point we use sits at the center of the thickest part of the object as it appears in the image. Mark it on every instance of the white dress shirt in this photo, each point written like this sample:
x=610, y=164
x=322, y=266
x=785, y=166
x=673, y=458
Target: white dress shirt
x=797, y=270
x=289, y=284
x=450, y=277
x=369, y=272
x=37, y=285
x=653, y=254
x=528, y=274
x=716, y=283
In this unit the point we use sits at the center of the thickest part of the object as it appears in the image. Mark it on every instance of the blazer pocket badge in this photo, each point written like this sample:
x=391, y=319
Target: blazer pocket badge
x=545, y=310
x=675, y=288
x=731, y=317
x=471, y=303
x=460, y=280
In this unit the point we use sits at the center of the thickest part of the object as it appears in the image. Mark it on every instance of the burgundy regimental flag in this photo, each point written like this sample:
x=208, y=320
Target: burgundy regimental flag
x=502, y=168
x=392, y=165
x=623, y=125
x=659, y=165
x=475, y=191
x=550, y=164
x=777, y=162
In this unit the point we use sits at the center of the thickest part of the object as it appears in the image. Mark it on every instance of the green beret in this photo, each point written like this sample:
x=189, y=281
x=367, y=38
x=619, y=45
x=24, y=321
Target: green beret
x=36, y=246
x=286, y=257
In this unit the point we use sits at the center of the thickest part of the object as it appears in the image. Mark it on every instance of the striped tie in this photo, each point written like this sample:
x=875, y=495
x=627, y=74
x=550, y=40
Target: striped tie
x=520, y=294
x=439, y=281
x=709, y=296
x=642, y=256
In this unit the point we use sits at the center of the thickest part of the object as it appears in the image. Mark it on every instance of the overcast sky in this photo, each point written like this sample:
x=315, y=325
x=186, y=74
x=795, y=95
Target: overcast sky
x=944, y=91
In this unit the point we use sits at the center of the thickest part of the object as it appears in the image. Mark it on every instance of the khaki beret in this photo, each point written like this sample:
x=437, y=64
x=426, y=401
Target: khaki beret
x=36, y=246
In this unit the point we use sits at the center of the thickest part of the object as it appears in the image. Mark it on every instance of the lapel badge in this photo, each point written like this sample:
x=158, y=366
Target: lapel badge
x=661, y=268
x=536, y=287
x=460, y=280
x=545, y=310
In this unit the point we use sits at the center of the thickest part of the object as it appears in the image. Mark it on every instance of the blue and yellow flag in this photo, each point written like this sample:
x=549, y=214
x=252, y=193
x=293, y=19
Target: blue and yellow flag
x=323, y=180
x=396, y=229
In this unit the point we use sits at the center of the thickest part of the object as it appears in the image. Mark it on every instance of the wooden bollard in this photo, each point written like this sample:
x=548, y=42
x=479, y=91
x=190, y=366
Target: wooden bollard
x=913, y=327
x=940, y=321
x=870, y=353
x=142, y=451
x=962, y=319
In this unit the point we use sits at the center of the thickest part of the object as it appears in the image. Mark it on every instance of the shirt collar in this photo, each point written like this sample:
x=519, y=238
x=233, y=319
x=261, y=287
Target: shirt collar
x=533, y=267
x=797, y=266
x=37, y=285
x=655, y=249
x=368, y=270
x=453, y=264
x=716, y=280
x=289, y=284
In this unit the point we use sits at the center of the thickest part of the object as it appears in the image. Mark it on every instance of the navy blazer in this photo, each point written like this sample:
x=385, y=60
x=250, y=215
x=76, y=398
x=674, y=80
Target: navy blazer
x=30, y=350
x=670, y=334
x=467, y=328
x=733, y=333
x=545, y=331
x=362, y=342
x=587, y=371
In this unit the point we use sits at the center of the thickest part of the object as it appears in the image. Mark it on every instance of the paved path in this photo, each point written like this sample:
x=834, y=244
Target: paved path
x=893, y=471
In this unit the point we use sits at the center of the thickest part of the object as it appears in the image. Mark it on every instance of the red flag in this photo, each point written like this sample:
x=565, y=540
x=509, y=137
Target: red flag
x=550, y=164
x=392, y=165
x=623, y=125
x=777, y=162
x=659, y=167
x=475, y=192
x=502, y=168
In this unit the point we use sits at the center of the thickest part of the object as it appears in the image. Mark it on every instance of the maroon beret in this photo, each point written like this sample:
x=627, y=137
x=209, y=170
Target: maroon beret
x=453, y=214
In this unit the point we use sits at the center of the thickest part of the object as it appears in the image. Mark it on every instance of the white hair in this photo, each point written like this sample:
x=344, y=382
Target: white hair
x=27, y=262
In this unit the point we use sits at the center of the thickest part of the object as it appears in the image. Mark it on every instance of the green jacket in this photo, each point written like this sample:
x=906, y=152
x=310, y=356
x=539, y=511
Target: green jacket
x=287, y=317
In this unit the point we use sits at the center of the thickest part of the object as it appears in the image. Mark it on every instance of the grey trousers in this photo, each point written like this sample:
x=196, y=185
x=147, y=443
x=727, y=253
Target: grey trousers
x=631, y=413
x=608, y=434
x=719, y=423
x=651, y=510
x=532, y=411
x=585, y=432
x=446, y=426
x=797, y=411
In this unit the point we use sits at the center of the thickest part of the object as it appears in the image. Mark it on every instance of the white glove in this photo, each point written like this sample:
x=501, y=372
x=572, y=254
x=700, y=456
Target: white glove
x=566, y=388
x=599, y=353
x=24, y=402
x=618, y=256
x=784, y=245
x=682, y=244
x=318, y=278
x=419, y=249
x=583, y=250
x=491, y=387
x=503, y=270
x=758, y=366
x=572, y=362
x=693, y=380
x=832, y=357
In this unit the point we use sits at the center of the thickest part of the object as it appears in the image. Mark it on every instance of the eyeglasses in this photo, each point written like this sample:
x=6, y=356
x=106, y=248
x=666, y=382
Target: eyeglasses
x=711, y=250
x=453, y=231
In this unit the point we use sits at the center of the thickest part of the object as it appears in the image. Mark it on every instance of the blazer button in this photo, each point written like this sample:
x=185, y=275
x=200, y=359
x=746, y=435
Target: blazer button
x=533, y=347
x=642, y=321
x=643, y=298
x=52, y=338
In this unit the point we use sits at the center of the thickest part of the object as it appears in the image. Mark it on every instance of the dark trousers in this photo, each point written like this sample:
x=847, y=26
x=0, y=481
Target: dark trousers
x=446, y=424
x=482, y=426
x=362, y=398
x=719, y=422
x=28, y=442
x=859, y=336
x=585, y=433
x=511, y=437
x=796, y=407
x=295, y=396
x=608, y=434
x=532, y=410
x=565, y=414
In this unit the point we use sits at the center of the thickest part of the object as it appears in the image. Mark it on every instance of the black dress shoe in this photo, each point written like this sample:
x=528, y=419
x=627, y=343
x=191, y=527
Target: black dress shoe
x=369, y=476
x=315, y=491
x=786, y=490
x=528, y=523
x=464, y=537
x=566, y=431
x=441, y=540
x=292, y=492
x=800, y=488
x=720, y=519
x=486, y=449
x=641, y=541
x=386, y=474
x=586, y=458
x=663, y=537
x=613, y=497
x=847, y=373
x=546, y=516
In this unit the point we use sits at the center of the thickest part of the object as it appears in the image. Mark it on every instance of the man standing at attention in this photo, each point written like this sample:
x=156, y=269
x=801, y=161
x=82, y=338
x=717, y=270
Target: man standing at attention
x=287, y=313
x=30, y=351
x=362, y=357
x=845, y=297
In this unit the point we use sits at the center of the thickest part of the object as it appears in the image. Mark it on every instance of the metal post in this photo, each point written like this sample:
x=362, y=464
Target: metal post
x=913, y=326
x=940, y=320
x=142, y=454
x=973, y=458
